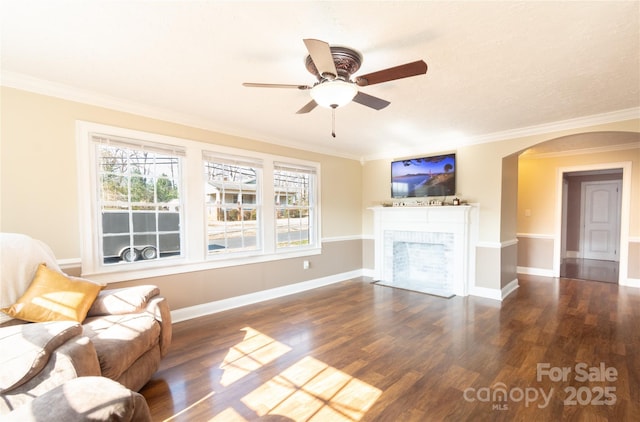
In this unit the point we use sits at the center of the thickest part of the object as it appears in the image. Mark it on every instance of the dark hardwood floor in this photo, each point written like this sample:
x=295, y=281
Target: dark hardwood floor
x=590, y=269
x=358, y=351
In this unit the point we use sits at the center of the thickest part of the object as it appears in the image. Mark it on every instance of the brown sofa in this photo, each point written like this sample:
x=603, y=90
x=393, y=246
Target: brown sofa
x=124, y=336
x=84, y=399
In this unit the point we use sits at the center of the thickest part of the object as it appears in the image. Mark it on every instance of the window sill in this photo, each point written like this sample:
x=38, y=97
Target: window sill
x=180, y=266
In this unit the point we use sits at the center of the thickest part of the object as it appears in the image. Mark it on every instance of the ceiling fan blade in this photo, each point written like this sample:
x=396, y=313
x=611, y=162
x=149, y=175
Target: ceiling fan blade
x=393, y=73
x=320, y=53
x=308, y=107
x=259, y=85
x=370, y=101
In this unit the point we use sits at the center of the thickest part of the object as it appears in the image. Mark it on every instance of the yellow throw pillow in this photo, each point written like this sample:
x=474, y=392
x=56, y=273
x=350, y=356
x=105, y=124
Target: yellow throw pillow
x=52, y=296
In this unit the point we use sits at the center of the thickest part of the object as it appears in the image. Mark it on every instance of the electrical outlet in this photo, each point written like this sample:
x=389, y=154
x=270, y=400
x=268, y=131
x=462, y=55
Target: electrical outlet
x=305, y=265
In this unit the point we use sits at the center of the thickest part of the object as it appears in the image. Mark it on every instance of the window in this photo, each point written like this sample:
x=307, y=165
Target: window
x=232, y=202
x=139, y=200
x=294, y=204
x=156, y=205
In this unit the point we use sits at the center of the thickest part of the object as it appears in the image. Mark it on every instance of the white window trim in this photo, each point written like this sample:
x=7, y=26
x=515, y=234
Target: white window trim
x=313, y=217
x=210, y=155
x=194, y=256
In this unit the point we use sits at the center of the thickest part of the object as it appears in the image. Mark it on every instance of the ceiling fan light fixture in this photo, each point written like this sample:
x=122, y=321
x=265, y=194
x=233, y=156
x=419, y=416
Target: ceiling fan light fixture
x=334, y=94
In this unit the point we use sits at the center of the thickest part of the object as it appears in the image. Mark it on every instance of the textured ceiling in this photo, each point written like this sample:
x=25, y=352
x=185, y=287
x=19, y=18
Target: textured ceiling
x=494, y=67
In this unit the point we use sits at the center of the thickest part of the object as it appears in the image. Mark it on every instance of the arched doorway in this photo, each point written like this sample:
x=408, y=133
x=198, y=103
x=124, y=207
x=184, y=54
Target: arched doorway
x=551, y=240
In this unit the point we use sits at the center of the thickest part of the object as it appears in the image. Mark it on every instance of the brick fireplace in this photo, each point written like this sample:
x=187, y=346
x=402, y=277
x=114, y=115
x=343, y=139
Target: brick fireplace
x=425, y=248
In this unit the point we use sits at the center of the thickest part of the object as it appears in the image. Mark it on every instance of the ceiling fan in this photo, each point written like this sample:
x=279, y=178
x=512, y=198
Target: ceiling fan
x=333, y=67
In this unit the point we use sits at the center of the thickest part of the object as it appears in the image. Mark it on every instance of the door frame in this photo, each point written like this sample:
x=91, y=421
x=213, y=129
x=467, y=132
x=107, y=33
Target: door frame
x=583, y=207
x=625, y=211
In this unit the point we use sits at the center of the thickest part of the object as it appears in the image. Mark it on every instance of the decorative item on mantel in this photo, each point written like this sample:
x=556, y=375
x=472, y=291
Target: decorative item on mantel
x=417, y=203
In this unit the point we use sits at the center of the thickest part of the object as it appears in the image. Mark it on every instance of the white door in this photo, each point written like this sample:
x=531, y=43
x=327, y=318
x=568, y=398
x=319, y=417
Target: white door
x=601, y=213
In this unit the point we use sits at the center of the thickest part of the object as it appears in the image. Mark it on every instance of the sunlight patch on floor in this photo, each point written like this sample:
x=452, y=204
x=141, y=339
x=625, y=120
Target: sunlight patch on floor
x=312, y=390
x=228, y=415
x=308, y=390
x=252, y=353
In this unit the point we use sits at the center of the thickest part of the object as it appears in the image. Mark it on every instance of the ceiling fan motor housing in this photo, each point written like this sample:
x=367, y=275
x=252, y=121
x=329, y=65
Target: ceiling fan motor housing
x=347, y=61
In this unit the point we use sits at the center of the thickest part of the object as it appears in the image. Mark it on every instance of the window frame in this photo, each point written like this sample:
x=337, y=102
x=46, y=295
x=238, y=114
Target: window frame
x=104, y=207
x=310, y=207
x=244, y=161
x=194, y=244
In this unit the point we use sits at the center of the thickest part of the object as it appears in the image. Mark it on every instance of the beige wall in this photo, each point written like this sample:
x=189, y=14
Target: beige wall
x=535, y=253
x=38, y=181
x=537, y=193
x=39, y=194
x=508, y=264
x=376, y=189
x=538, y=180
x=634, y=261
x=488, y=269
x=39, y=170
x=201, y=287
x=486, y=174
x=508, y=210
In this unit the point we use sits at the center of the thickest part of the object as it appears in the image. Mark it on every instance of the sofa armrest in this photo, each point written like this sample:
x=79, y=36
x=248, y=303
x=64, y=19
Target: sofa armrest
x=136, y=299
x=25, y=349
x=123, y=301
x=159, y=307
x=75, y=358
x=83, y=399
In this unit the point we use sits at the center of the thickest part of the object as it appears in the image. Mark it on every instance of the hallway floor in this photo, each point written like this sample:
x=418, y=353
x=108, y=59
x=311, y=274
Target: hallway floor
x=590, y=269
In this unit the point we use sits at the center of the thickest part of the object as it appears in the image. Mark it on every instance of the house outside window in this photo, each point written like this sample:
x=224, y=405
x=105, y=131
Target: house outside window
x=233, y=204
x=294, y=195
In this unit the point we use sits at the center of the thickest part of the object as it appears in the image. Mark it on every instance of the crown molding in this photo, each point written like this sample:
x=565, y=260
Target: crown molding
x=570, y=124
x=66, y=92
x=40, y=86
x=576, y=123
x=582, y=151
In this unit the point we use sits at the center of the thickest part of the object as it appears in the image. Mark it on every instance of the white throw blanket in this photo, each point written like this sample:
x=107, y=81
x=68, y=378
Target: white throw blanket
x=20, y=256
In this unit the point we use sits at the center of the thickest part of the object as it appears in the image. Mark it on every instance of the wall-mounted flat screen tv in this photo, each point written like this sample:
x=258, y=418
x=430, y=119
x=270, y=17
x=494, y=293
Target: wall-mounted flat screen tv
x=424, y=176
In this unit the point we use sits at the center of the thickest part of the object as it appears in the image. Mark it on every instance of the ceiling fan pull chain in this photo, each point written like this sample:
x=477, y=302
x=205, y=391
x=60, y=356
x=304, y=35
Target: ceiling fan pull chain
x=333, y=122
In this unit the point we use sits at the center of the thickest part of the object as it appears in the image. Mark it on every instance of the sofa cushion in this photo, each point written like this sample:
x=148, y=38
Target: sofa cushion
x=75, y=358
x=121, y=339
x=85, y=399
x=123, y=301
x=53, y=296
x=25, y=349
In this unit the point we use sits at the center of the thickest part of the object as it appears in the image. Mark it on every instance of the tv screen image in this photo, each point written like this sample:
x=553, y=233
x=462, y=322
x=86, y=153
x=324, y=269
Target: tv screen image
x=424, y=176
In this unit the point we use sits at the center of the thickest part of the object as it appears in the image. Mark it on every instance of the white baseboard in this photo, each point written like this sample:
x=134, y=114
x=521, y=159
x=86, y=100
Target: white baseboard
x=536, y=271
x=510, y=288
x=495, y=294
x=367, y=272
x=190, y=312
x=572, y=254
x=184, y=314
x=486, y=292
x=630, y=282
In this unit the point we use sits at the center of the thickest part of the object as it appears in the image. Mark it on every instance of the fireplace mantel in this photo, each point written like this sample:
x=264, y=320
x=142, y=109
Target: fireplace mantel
x=460, y=221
